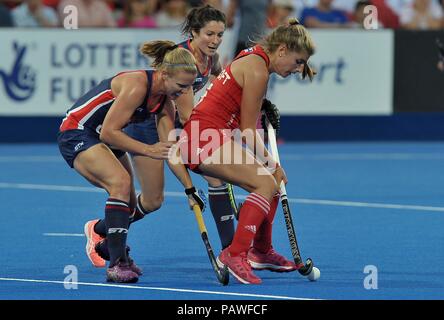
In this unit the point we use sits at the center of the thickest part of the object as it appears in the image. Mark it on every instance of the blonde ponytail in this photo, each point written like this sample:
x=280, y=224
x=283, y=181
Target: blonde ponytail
x=169, y=56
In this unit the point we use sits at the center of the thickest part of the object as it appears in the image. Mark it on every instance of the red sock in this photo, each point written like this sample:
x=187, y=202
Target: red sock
x=262, y=240
x=252, y=214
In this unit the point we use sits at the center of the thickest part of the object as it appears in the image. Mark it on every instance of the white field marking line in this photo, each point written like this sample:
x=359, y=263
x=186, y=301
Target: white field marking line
x=55, y=234
x=365, y=156
x=156, y=288
x=290, y=156
x=366, y=205
x=31, y=159
x=180, y=194
x=46, y=187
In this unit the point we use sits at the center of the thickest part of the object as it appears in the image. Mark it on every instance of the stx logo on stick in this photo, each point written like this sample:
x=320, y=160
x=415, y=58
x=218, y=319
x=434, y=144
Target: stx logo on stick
x=291, y=236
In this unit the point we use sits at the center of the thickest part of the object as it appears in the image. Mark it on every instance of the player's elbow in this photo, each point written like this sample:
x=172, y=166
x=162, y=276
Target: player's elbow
x=247, y=130
x=106, y=136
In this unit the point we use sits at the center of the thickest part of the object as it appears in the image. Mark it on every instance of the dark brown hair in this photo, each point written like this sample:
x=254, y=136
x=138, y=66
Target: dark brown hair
x=198, y=17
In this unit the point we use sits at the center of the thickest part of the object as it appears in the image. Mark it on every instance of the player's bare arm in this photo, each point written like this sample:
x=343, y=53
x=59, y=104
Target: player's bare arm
x=185, y=105
x=254, y=79
x=165, y=125
x=130, y=90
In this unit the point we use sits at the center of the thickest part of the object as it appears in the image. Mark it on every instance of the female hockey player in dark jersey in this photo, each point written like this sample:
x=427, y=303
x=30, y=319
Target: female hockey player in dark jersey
x=205, y=27
x=92, y=141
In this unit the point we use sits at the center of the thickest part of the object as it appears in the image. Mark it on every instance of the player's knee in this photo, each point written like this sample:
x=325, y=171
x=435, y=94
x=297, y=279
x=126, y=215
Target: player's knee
x=121, y=186
x=152, y=203
x=272, y=185
x=267, y=186
x=214, y=182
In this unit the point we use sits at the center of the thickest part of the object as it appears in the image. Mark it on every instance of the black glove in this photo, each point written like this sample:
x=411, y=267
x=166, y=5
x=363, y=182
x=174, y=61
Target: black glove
x=198, y=196
x=270, y=111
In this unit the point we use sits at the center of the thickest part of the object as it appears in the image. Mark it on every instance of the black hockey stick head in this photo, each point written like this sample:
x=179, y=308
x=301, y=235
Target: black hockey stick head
x=307, y=268
x=223, y=275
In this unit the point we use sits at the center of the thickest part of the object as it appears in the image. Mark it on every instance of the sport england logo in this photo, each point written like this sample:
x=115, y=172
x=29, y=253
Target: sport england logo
x=20, y=81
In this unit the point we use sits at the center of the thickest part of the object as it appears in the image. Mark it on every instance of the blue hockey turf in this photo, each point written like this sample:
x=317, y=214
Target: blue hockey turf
x=355, y=206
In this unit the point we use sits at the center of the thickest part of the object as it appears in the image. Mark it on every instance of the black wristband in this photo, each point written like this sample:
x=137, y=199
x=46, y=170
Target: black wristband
x=190, y=190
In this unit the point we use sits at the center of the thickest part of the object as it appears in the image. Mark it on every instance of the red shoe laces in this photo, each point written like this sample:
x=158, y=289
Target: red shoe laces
x=245, y=262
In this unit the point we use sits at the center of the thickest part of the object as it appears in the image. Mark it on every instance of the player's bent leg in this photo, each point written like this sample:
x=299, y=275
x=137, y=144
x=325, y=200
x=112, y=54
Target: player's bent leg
x=221, y=209
x=262, y=255
x=150, y=174
x=125, y=160
x=250, y=175
x=100, y=165
x=123, y=157
x=262, y=186
x=93, y=174
x=253, y=214
x=101, y=247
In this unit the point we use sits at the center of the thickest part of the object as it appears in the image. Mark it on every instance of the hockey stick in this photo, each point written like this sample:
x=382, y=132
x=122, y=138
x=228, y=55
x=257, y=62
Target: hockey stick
x=221, y=273
x=304, y=269
x=234, y=207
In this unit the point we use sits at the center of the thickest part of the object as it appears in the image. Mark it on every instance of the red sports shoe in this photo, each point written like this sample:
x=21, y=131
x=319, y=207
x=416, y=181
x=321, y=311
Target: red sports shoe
x=238, y=267
x=92, y=238
x=121, y=273
x=270, y=260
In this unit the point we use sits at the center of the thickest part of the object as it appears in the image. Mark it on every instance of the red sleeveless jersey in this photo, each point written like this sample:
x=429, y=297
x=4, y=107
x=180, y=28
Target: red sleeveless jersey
x=220, y=106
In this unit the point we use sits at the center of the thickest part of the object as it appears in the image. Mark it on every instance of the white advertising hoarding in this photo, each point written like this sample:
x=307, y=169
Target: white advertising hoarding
x=355, y=76
x=42, y=72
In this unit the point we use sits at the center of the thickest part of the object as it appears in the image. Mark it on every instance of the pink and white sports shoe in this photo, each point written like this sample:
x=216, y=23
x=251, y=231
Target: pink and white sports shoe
x=93, y=238
x=121, y=273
